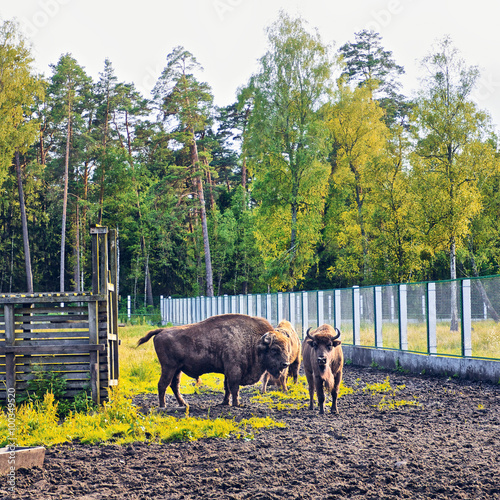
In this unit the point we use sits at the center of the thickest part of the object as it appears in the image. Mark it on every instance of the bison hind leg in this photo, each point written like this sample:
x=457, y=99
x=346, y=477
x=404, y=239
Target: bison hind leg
x=175, y=386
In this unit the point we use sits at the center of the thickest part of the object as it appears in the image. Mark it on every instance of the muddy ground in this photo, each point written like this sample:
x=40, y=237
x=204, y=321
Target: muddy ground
x=446, y=448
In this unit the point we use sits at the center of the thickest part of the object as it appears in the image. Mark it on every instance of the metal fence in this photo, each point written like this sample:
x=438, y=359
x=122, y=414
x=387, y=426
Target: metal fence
x=451, y=318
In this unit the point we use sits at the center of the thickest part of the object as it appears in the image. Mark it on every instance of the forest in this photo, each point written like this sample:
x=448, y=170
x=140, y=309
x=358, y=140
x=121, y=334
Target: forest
x=322, y=174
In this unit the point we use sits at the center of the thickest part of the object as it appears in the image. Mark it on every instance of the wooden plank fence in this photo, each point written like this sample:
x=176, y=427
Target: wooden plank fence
x=74, y=335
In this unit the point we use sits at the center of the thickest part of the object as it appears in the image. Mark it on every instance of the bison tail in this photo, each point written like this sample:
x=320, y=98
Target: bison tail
x=148, y=335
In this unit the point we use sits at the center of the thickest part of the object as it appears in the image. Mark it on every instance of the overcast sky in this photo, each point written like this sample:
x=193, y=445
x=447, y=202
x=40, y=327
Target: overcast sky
x=228, y=36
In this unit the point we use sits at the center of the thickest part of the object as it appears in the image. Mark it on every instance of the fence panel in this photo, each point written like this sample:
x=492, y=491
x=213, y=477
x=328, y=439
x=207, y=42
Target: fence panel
x=451, y=318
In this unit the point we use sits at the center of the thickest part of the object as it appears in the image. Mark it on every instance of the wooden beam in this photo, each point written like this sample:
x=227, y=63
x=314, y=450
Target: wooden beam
x=10, y=337
x=51, y=349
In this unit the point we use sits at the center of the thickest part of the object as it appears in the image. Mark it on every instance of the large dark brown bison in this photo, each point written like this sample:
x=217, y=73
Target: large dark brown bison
x=239, y=346
x=323, y=361
x=294, y=347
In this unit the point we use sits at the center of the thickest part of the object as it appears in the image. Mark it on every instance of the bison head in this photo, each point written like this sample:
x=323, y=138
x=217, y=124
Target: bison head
x=323, y=343
x=273, y=351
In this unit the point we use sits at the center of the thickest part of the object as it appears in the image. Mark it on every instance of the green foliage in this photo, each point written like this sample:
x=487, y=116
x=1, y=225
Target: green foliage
x=285, y=142
x=54, y=383
x=20, y=90
x=304, y=183
x=42, y=383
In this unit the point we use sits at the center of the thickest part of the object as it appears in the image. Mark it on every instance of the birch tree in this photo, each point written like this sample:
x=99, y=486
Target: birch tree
x=450, y=155
x=285, y=148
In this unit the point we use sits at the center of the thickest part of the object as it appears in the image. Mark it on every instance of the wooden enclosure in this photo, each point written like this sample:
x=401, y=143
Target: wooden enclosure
x=74, y=335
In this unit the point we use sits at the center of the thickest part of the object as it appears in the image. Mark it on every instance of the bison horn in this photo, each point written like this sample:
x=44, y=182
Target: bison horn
x=267, y=338
x=338, y=334
x=307, y=334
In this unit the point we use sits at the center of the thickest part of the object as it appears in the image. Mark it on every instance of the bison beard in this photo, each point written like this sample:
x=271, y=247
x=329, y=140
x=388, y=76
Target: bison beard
x=239, y=346
x=323, y=361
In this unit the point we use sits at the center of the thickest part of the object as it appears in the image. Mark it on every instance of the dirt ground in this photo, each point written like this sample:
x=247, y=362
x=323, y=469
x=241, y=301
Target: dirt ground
x=446, y=448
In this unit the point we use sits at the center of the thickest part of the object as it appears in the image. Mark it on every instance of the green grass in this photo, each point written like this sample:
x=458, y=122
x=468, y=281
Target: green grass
x=119, y=422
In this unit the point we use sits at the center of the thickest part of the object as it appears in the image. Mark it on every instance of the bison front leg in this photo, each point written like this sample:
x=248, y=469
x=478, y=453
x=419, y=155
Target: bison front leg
x=335, y=392
x=234, y=388
x=265, y=381
x=319, y=383
x=227, y=393
x=282, y=380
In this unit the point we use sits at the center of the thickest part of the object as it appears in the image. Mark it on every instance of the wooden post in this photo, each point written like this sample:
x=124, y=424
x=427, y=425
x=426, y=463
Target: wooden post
x=94, y=355
x=113, y=307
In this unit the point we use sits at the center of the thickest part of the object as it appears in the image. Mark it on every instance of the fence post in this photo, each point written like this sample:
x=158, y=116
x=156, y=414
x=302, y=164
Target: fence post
x=466, y=319
x=337, y=316
x=279, y=311
x=291, y=308
x=320, y=317
x=403, y=318
x=129, y=306
x=161, y=309
x=330, y=298
x=250, y=305
x=356, y=332
x=259, y=305
x=305, y=313
x=379, y=342
x=431, y=319
x=269, y=306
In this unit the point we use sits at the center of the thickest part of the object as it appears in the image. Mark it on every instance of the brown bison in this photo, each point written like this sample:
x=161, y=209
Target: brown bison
x=239, y=346
x=323, y=361
x=287, y=329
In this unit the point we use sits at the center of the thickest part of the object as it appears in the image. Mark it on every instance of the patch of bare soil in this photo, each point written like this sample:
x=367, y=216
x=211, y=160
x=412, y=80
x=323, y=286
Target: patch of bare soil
x=447, y=448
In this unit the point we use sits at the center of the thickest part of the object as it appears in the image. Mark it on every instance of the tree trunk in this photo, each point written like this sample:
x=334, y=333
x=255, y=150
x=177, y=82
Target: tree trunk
x=76, y=274
x=65, y=202
x=204, y=225
x=24, y=222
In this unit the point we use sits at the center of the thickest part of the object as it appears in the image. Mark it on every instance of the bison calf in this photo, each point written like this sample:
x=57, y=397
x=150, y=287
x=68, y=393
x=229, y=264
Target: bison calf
x=294, y=349
x=323, y=361
x=239, y=346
